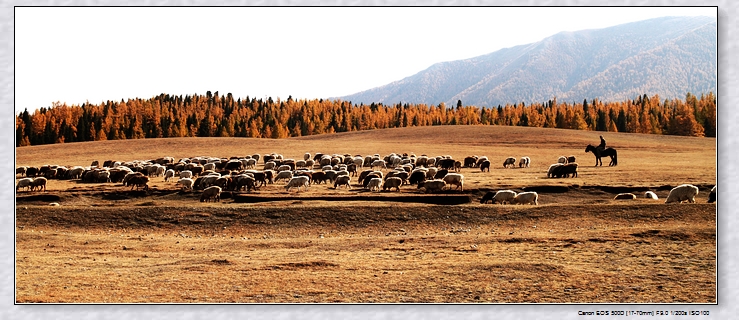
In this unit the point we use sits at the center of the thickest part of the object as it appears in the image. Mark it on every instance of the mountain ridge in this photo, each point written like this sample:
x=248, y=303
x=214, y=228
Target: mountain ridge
x=667, y=56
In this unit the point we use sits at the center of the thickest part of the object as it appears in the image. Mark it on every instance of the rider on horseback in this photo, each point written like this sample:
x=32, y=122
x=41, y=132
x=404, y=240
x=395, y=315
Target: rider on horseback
x=602, y=146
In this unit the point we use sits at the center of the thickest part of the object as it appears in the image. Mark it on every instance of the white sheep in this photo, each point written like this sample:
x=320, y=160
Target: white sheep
x=342, y=180
x=454, y=179
x=526, y=198
x=186, y=183
x=39, y=183
x=392, y=182
x=299, y=181
x=208, y=181
x=185, y=174
x=552, y=167
x=24, y=183
x=283, y=167
x=287, y=175
x=510, y=161
x=562, y=160
x=168, y=174
x=650, y=195
x=524, y=162
x=378, y=163
x=682, y=193
x=432, y=185
x=375, y=183
x=501, y=196
x=431, y=173
x=625, y=196
x=211, y=193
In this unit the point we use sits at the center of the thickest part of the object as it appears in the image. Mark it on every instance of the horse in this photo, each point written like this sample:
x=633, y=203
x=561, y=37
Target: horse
x=599, y=153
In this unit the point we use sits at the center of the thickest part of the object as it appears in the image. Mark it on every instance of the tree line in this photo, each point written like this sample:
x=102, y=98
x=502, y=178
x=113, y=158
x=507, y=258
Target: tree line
x=214, y=115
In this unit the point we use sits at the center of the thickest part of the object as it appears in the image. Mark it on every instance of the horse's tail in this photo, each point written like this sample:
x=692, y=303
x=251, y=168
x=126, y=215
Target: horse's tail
x=615, y=157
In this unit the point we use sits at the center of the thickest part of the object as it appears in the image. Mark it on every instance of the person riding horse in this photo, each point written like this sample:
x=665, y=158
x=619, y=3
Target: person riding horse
x=602, y=146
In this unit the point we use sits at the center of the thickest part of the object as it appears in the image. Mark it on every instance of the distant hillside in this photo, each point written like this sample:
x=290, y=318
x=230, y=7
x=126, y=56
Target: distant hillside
x=665, y=56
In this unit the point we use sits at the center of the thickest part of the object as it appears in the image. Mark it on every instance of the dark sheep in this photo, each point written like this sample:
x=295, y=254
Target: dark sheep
x=470, y=162
x=416, y=177
x=441, y=174
x=485, y=165
x=446, y=164
x=567, y=170
x=368, y=178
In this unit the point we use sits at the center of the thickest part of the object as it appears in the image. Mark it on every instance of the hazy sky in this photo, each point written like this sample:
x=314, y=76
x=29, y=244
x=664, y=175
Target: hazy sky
x=81, y=54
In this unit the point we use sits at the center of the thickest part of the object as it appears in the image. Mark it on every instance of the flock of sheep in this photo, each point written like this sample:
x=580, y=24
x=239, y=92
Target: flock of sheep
x=213, y=175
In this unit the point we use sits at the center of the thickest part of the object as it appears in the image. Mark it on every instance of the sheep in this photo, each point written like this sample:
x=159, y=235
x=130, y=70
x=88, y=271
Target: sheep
x=168, y=174
x=650, y=195
x=457, y=166
x=431, y=173
x=552, y=167
x=75, y=172
x=21, y=170
x=485, y=165
x=480, y=160
x=342, y=181
x=24, y=183
x=299, y=181
x=510, y=161
x=432, y=185
x=270, y=165
x=185, y=174
x=566, y=171
x=186, y=183
x=208, y=181
x=526, y=198
x=367, y=180
x=562, y=160
x=681, y=193
x=416, y=177
x=454, y=179
x=392, y=182
x=138, y=181
x=375, y=183
x=524, y=162
x=712, y=195
x=446, y=164
x=441, y=174
x=625, y=196
x=211, y=193
x=378, y=163
x=287, y=175
x=570, y=159
x=306, y=156
x=39, y=183
x=501, y=196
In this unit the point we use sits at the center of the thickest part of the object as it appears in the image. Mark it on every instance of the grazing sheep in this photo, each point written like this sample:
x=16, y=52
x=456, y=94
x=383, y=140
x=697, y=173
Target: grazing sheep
x=447, y=164
x=431, y=173
x=392, y=182
x=185, y=174
x=712, y=195
x=318, y=177
x=457, y=166
x=287, y=175
x=21, y=170
x=432, y=185
x=243, y=181
x=566, y=171
x=24, y=183
x=75, y=172
x=208, y=181
x=168, y=174
x=138, y=181
x=39, y=183
x=186, y=183
x=650, y=195
x=212, y=193
x=571, y=159
x=416, y=177
x=510, y=161
x=375, y=183
x=502, y=196
x=551, y=169
x=342, y=181
x=625, y=196
x=485, y=165
x=299, y=181
x=526, y=198
x=454, y=179
x=682, y=193
x=367, y=179
x=378, y=163
x=441, y=174
x=524, y=162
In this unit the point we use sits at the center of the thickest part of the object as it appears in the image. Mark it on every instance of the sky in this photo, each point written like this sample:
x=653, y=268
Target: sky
x=75, y=55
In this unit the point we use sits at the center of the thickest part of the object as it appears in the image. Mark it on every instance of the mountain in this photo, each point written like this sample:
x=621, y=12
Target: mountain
x=668, y=56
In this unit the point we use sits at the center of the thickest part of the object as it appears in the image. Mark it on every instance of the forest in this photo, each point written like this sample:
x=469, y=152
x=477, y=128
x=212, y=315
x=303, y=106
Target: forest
x=214, y=115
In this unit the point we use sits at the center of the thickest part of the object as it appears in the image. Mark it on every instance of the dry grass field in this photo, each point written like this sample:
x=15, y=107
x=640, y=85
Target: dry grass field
x=107, y=244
